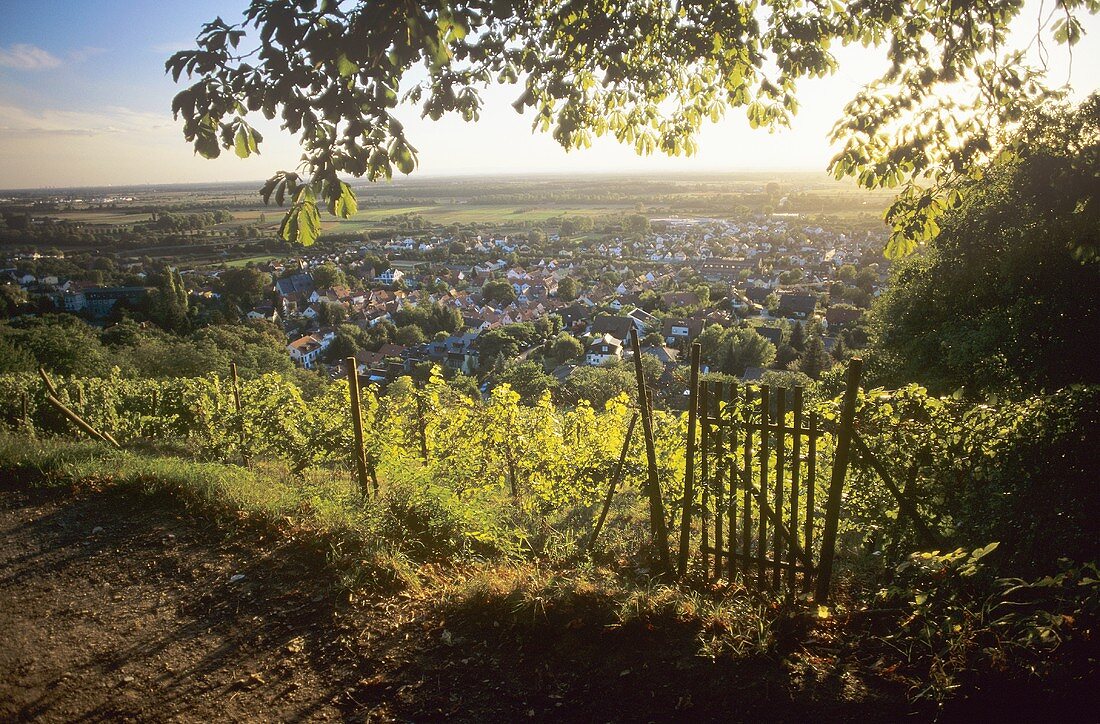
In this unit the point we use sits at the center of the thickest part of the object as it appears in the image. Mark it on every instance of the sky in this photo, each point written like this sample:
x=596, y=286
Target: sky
x=84, y=101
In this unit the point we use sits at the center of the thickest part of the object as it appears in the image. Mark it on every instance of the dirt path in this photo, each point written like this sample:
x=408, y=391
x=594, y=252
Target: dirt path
x=118, y=606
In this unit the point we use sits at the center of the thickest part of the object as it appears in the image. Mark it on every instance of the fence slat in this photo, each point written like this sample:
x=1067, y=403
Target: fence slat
x=796, y=470
x=768, y=560
x=731, y=543
x=746, y=488
x=704, y=474
x=762, y=537
x=689, y=464
x=836, y=483
x=718, y=389
x=357, y=426
x=780, y=442
x=811, y=491
x=658, y=525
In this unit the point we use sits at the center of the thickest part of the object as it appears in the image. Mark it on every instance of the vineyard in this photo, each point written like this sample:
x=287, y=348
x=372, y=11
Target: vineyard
x=525, y=478
x=954, y=522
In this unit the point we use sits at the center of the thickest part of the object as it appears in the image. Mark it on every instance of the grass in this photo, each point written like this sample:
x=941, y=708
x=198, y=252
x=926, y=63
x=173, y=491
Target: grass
x=413, y=538
x=429, y=545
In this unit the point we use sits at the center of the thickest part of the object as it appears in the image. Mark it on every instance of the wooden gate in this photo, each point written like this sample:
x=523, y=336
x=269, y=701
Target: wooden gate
x=767, y=513
x=757, y=470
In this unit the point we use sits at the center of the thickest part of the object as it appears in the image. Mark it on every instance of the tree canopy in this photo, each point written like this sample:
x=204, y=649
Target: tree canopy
x=645, y=72
x=1005, y=297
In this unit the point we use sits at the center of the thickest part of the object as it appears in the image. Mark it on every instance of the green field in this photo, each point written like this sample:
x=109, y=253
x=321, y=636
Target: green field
x=252, y=260
x=467, y=214
x=96, y=217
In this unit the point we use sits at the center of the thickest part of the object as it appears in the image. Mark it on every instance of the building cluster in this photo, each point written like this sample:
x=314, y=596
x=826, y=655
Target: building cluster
x=657, y=284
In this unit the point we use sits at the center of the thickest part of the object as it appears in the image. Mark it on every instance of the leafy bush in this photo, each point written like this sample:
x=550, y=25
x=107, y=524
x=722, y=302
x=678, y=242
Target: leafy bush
x=960, y=624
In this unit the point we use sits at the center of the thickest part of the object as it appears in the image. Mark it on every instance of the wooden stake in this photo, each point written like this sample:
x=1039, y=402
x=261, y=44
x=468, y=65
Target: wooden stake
x=762, y=492
x=780, y=444
x=52, y=398
x=616, y=476
x=689, y=465
x=237, y=405
x=836, y=484
x=357, y=424
x=928, y=537
x=658, y=526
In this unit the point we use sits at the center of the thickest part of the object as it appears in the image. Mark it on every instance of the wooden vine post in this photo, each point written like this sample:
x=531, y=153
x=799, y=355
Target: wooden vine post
x=357, y=425
x=689, y=465
x=658, y=527
x=238, y=407
x=80, y=422
x=26, y=411
x=836, y=484
x=616, y=476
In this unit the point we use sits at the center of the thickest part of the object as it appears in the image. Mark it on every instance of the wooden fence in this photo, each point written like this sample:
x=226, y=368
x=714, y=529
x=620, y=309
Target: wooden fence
x=758, y=464
x=756, y=458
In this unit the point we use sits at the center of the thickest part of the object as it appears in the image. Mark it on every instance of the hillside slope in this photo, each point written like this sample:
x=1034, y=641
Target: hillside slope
x=122, y=605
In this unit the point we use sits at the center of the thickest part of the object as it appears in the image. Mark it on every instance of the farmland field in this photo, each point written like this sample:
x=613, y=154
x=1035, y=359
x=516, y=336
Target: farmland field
x=461, y=213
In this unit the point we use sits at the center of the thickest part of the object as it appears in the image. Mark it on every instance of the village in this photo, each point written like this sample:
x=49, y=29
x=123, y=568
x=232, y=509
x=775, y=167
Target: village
x=482, y=304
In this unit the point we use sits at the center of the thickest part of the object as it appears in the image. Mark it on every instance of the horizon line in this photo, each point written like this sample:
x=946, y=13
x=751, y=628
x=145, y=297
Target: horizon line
x=440, y=176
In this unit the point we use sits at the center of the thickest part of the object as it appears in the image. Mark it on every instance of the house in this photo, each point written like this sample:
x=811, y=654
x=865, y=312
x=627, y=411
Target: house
x=390, y=277
x=676, y=330
x=680, y=299
x=753, y=374
x=265, y=311
x=643, y=317
x=725, y=270
x=295, y=284
x=757, y=294
x=617, y=327
x=667, y=355
x=573, y=316
x=73, y=300
x=797, y=306
x=100, y=300
x=305, y=350
x=604, y=349
x=772, y=334
x=838, y=316
x=457, y=352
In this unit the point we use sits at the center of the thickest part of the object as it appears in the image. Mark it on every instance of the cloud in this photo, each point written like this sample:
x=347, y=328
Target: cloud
x=79, y=55
x=26, y=123
x=22, y=56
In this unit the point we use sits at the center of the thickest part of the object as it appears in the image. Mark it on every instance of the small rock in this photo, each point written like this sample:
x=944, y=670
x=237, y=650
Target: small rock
x=127, y=679
x=236, y=577
x=97, y=529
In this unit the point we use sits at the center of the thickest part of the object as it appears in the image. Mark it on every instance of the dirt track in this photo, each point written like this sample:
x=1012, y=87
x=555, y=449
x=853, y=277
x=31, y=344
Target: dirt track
x=116, y=606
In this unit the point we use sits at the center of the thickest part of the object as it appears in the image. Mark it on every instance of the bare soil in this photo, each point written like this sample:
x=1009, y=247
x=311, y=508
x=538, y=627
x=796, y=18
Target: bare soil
x=115, y=605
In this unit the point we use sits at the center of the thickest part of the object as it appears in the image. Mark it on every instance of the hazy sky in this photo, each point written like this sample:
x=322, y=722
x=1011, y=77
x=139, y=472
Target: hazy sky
x=84, y=101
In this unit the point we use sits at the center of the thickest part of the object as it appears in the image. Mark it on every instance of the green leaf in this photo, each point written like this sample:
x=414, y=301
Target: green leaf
x=302, y=223
x=206, y=138
x=984, y=551
x=344, y=205
x=404, y=159
x=345, y=66
x=242, y=143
